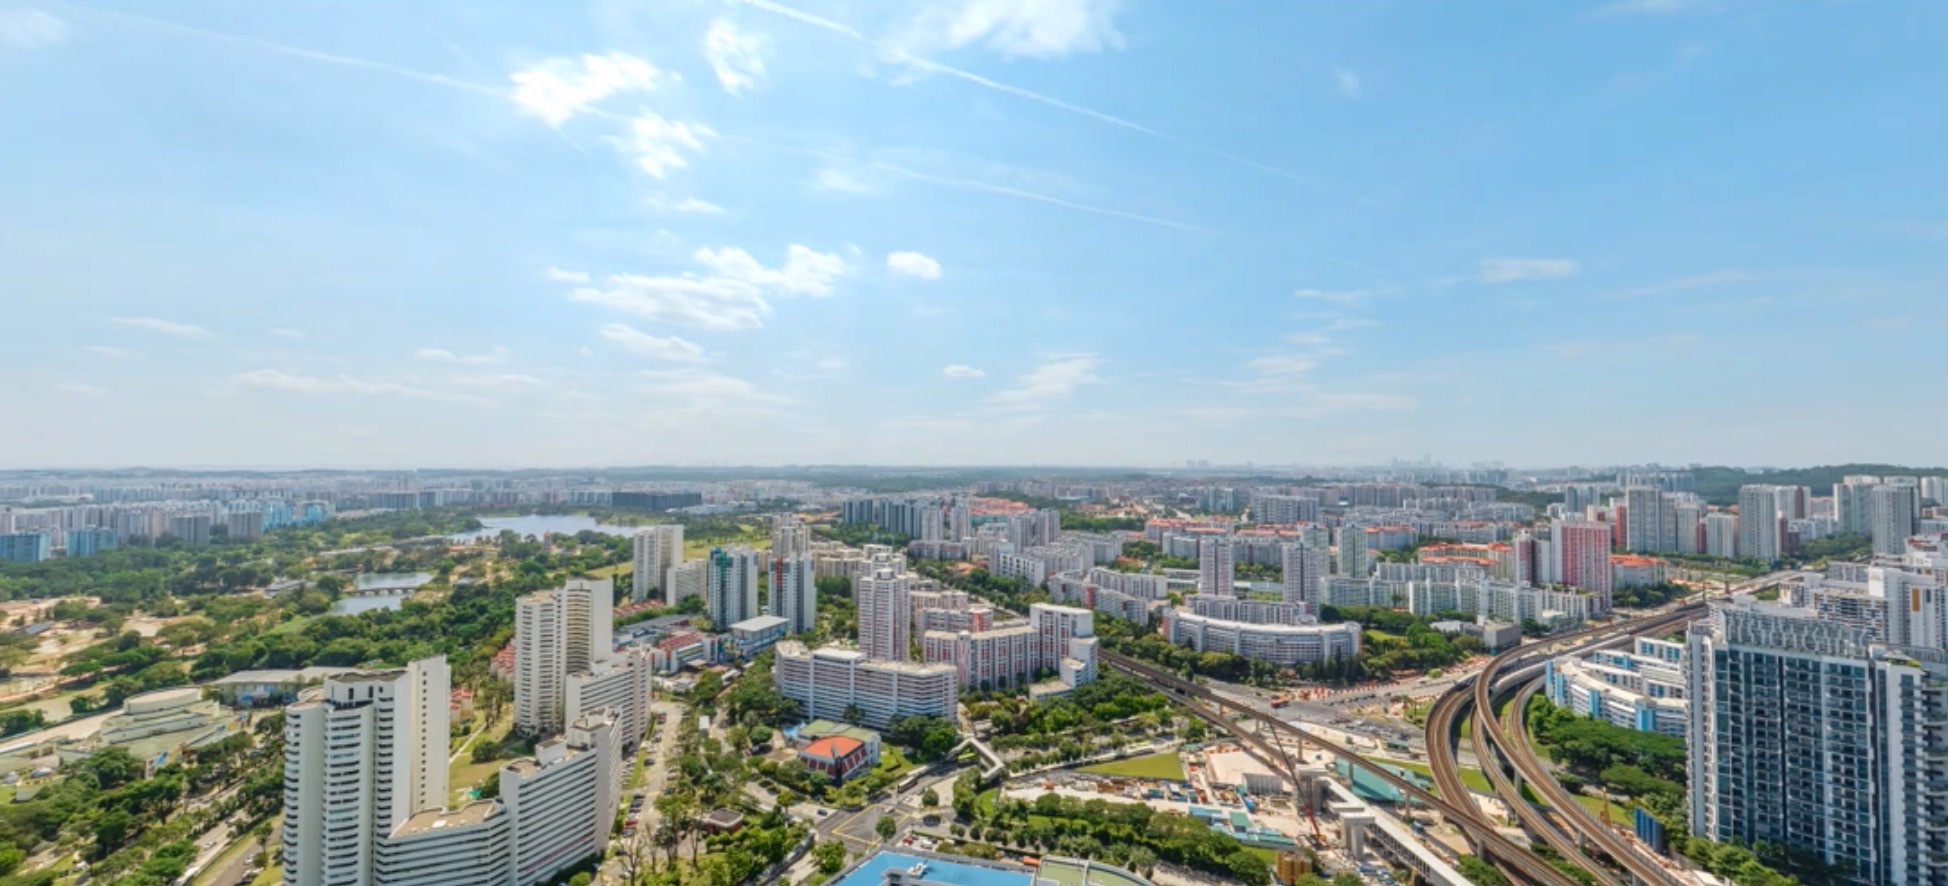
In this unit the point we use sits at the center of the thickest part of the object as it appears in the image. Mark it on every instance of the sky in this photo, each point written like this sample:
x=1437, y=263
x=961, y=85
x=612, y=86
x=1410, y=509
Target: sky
x=1087, y=232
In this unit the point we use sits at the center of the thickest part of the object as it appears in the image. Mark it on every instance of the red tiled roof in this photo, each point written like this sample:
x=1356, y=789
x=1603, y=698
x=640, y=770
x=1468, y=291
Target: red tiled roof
x=832, y=747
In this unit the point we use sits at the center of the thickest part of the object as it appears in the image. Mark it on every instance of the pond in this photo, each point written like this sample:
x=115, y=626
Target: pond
x=393, y=587
x=536, y=524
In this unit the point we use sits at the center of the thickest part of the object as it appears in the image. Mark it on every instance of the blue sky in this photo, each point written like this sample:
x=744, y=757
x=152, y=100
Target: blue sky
x=972, y=232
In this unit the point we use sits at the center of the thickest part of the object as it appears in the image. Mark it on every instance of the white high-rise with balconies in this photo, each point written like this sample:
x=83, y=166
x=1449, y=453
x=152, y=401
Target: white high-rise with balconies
x=359, y=759
x=789, y=537
x=1300, y=580
x=656, y=550
x=1216, y=572
x=1890, y=517
x=885, y=614
x=557, y=633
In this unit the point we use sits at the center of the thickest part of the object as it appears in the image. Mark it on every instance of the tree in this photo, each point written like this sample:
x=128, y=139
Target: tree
x=1346, y=879
x=886, y=827
x=929, y=798
x=1479, y=872
x=852, y=714
x=830, y=855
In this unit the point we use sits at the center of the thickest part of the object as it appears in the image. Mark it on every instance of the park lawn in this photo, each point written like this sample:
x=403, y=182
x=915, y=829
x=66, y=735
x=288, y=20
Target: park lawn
x=287, y=627
x=272, y=875
x=1163, y=765
x=894, y=762
x=1618, y=813
x=984, y=802
x=611, y=571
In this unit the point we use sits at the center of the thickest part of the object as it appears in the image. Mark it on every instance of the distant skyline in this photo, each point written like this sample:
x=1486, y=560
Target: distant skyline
x=972, y=232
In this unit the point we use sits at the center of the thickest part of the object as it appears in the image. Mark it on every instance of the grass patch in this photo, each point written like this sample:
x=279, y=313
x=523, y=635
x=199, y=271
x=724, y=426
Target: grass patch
x=611, y=571
x=289, y=627
x=1618, y=813
x=1164, y=765
x=984, y=802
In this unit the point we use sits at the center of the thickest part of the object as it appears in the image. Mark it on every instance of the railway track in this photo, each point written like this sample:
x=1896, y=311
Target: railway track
x=1516, y=860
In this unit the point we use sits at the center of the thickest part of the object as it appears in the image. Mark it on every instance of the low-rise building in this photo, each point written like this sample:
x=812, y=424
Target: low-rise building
x=754, y=635
x=832, y=681
x=1641, y=688
x=1282, y=644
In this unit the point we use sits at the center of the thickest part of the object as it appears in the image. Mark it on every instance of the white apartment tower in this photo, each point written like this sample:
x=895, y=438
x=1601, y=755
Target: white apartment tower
x=1761, y=526
x=731, y=585
x=1721, y=535
x=557, y=633
x=1890, y=517
x=359, y=760
x=1215, y=569
x=789, y=537
x=1300, y=563
x=794, y=596
x=656, y=550
x=685, y=580
x=885, y=614
x=563, y=800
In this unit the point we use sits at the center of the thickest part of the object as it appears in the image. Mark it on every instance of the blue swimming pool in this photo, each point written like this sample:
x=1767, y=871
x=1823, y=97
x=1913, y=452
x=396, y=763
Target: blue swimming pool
x=872, y=871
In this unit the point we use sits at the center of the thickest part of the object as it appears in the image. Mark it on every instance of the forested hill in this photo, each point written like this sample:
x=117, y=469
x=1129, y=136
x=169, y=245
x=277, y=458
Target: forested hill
x=1719, y=485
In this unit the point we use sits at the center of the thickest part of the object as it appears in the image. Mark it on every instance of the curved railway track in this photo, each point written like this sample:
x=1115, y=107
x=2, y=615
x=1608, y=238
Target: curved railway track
x=1514, y=859
x=1503, y=738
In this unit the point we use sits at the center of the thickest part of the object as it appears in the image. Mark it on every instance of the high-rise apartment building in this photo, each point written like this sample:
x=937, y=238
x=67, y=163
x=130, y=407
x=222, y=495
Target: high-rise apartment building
x=1216, y=573
x=1807, y=734
x=359, y=760
x=1761, y=525
x=1352, y=557
x=885, y=614
x=557, y=633
x=731, y=585
x=789, y=537
x=1890, y=517
x=1850, y=503
x=1300, y=578
x=794, y=596
x=1643, y=524
x=89, y=542
x=657, y=549
x=684, y=580
x=24, y=547
x=1583, y=551
x=1721, y=535
x=563, y=801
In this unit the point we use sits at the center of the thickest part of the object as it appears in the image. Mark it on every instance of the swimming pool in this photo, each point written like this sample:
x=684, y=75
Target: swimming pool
x=872, y=871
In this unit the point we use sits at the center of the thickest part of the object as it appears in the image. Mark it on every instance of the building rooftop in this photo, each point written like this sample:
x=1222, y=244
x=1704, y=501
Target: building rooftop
x=822, y=728
x=440, y=819
x=759, y=623
x=832, y=747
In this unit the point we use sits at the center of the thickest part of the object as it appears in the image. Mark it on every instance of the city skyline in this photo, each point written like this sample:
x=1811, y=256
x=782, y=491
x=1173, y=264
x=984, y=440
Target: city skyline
x=1064, y=233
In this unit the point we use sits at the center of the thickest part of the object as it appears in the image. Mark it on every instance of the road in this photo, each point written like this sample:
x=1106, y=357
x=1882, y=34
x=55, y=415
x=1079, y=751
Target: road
x=656, y=776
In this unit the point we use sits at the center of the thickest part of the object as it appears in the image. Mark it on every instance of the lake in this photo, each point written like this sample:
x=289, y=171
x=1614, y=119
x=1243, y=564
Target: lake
x=536, y=524
x=404, y=582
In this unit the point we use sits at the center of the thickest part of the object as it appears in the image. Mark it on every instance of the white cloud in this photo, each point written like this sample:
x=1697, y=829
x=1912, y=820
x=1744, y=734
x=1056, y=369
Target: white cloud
x=494, y=356
x=81, y=389
x=107, y=351
x=1309, y=338
x=1504, y=270
x=284, y=332
x=1343, y=297
x=736, y=55
x=805, y=271
x=1033, y=28
x=913, y=264
x=702, y=387
x=166, y=327
x=560, y=276
x=836, y=180
x=672, y=348
x=345, y=385
x=658, y=144
x=27, y=27
x=560, y=88
x=690, y=205
x=497, y=380
x=1051, y=381
x=1347, y=81
x=733, y=297
x=958, y=370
